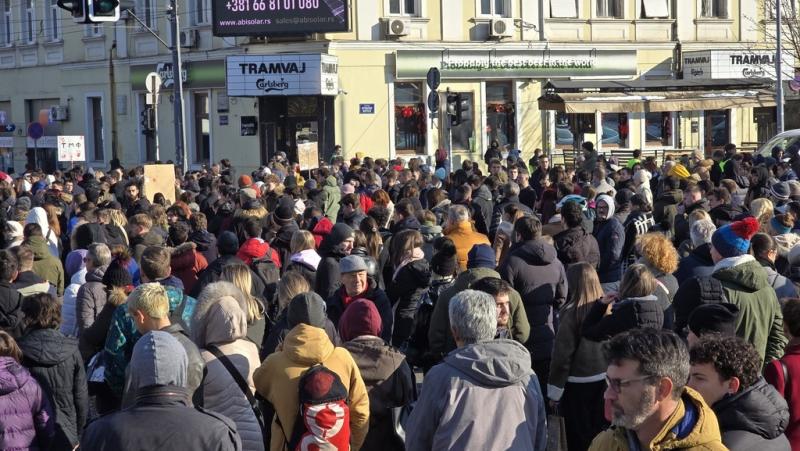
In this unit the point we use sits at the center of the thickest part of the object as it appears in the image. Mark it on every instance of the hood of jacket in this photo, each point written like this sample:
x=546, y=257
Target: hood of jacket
x=672, y=197
x=430, y=232
x=495, y=363
x=535, y=253
x=414, y=275
x=786, y=242
x=39, y=247
x=47, y=347
x=307, y=345
x=37, y=215
x=758, y=409
x=204, y=240
x=482, y=193
x=183, y=256
x=96, y=275
x=220, y=315
x=286, y=231
x=743, y=271
x=253, y=248
x=12, y=375
x=308, y=257
x=331, y=181
x=703, y=254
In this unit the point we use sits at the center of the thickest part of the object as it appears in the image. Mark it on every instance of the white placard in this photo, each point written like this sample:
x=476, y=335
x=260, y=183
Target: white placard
x=282, y=75
x=71, y=148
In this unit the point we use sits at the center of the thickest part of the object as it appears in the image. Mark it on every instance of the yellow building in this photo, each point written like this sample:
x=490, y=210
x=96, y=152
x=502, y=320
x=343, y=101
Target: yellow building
x=535, y=74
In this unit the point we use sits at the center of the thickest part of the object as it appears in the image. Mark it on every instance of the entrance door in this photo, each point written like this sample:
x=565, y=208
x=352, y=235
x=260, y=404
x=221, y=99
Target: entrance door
x=717, y=130
x=269, y=141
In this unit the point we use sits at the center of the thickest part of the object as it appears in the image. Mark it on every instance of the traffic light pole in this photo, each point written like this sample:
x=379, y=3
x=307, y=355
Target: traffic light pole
x=177, y=77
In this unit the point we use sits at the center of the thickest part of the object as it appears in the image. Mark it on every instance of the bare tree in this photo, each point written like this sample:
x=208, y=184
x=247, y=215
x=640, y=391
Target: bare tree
x=790, y=26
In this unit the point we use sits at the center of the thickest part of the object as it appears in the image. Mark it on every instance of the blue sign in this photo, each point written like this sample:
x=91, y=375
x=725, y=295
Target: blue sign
x=366, y=108
x=10, y=127
x=35, y=131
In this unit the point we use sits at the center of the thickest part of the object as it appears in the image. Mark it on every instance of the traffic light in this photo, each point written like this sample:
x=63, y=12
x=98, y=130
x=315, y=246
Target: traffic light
x=457, y=106
x=147, y=119
x=76, y=8
x=452, y=100
x=103, y=10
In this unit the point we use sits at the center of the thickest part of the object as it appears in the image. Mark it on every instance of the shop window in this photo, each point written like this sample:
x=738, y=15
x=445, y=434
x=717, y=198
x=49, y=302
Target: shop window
x=611, y=8
x=52, y=14
x=500, y=114
x=652, y=9
x=766, y=123
x=409, y=117
x=94, y=109
x=499, y=8
x=202, y=129
x=570, y=129
x=718, y=128
x=563, y=9
x=202, y=11
x=614, y=132
x=717, y=9
x=28, y=22
x=404, y=8
x=7, y=24
x=657, y=129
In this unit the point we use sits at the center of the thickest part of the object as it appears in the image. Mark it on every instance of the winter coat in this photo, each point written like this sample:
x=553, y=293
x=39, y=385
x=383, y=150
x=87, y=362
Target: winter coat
x=27, y=421
x=28, y=283
x=575, y=358
x=277, y=333
x=278, y=377
x=45, y=265
x=681, y=221
x=337, y=303
x=440, y=338
x=220, y=321
x=142, y=242
x=91, y=298
x=482, y=207
x=534, y=271
x=464, y=237
x=242, y=216
x=390, y=383
x=162, y=418
x=497, y=212
x=333, y=194
x=492, y=376
x=306, y=263
x=665, y=208
x=55, y=362
x=784, y=288
x=405, y=292
x=724, y=214
x=745, y=284
x=69, y=309
x=353, y=220
x=697, y=264
x=576, y=245
x=206, y=244
x=213, y=273
x=610, y=236
x=186, y=263
x=702, y=434
x=636, y=224
x=754, y=418
x=328, y=276
x=11, y=317
x=429, y=234
x=789, y=388
x=257, y=248
x=38, y=215
x=281, y=242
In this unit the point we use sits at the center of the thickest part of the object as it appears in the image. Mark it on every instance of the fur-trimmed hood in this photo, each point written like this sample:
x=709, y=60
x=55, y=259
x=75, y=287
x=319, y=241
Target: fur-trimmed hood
x=213, y=323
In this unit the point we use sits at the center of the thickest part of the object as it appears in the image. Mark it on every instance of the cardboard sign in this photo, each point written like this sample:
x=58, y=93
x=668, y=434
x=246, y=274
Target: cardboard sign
x=159, y=178
x=71, y=148
x=308, y=155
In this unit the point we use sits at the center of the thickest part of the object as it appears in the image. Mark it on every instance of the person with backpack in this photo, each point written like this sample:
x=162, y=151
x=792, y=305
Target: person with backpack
x=308, y=357
x=784, y=374
x=254, y=247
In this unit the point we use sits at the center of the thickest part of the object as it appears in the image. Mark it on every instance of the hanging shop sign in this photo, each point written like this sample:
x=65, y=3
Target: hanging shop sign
x=488, y=64
x=282, y=75
x=194, y=74
x=735, y=64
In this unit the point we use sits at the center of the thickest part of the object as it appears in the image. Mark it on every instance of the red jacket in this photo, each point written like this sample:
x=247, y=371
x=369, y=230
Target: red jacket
x=255, y=248
x=365, y=201
x=186, y=263
x=790, y=390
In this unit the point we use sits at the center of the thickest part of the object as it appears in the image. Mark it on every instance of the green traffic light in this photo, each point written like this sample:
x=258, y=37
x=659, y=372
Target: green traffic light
x=106, y=6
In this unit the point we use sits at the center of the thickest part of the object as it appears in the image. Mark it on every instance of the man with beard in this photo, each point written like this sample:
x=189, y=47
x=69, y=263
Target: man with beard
x=651, y=407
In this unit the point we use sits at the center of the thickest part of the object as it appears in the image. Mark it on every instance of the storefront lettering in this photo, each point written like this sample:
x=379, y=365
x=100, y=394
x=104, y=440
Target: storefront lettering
x=272, y=68
x=507, y=63
x=753, y=59
x=697, y=72
x=167, y=75
x=271, y=85
x=748, y=72
x=697, y=60
x=329, y=68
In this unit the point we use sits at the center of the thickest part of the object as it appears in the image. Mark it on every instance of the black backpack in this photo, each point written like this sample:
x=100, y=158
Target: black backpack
x=711, y=291
x=266, y=270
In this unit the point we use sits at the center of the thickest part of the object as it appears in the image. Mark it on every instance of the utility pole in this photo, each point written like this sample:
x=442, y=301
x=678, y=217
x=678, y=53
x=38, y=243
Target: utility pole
x=177, y=77
x=778, y=66
x=113, y=94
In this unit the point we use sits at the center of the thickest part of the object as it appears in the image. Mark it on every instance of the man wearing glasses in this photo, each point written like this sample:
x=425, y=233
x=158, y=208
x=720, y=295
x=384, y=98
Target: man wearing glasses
x=651, y=407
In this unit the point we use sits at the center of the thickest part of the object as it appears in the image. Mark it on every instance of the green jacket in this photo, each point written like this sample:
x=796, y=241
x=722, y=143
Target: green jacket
x=439, y=337
x=333, y=194
x=760, y=320
x=45, y=265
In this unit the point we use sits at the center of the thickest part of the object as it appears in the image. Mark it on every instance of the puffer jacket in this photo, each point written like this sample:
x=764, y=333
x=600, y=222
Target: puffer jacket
x=27, y=421
x=90, y=299
x=328, y=277
x=626, y=314
x=697, y=264
x=55, y=362
x=333, y=194
x=278, y=377
x=390, y=384
x=69, y=309
x=482, y=206
x=11, y=317
x=186, y=263
x=576, y=245
x=45, y=265
x=405, y=292
x=534, y=271
x=305, y=262
x=610, y=236
x=464, y=237
x=755, y=418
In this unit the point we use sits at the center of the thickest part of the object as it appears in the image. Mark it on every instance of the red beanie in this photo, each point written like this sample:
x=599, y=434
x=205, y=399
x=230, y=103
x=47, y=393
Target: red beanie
x=245, y=181
x=361, y=317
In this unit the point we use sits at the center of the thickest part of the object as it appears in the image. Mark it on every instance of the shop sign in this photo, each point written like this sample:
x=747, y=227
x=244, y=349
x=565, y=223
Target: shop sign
x=194, y=75
x=736, y=64
x=491, y=64
x=45, y=142
x=282, y=75
x=6, y=141
x=366, y=108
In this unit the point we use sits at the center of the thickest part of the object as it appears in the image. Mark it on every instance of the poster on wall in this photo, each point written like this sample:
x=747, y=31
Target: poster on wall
x=308, y=155
x=71, y=148
x=249, y=126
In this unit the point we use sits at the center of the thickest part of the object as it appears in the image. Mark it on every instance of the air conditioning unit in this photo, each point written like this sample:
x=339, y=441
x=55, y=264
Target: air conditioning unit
x=397, y=27
x=188, y=38
x=59, y=112
x=501, y=28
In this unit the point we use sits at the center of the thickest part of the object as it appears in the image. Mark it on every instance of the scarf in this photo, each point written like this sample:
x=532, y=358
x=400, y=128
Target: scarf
x=409, y=257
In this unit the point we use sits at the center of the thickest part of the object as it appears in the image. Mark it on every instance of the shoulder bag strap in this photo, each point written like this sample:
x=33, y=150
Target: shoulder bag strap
x=226, y=362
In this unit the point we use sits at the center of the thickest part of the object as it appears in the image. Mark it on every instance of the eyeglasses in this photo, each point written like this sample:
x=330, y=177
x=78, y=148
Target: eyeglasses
x=618, y=384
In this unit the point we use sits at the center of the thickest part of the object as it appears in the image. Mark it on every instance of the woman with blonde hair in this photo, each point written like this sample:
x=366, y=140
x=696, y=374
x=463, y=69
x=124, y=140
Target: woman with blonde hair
x=291, y=284
x=304, y=258
x=763, y=210
x=577, y=371
x=242, y=278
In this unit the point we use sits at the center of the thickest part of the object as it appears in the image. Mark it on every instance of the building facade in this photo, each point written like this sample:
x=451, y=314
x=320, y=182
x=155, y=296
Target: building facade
x=247, y=98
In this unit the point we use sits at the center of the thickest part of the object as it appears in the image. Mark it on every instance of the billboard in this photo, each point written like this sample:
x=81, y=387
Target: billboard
x=278, y=17
x=290, y=74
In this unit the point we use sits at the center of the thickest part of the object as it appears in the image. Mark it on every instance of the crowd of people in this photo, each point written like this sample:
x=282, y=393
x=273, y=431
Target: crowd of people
x=385, y=305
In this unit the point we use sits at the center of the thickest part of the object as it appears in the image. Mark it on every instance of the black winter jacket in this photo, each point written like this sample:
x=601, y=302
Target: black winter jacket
x=55, y=362
x=576, y=245
x=681, y=226
x=753, y=419
x=610, y=236
x=206, y=244
x=697, y=264
x=626, y=314
x=213, y=273
x=405, y=292
x=10, y=310
x=336, y=306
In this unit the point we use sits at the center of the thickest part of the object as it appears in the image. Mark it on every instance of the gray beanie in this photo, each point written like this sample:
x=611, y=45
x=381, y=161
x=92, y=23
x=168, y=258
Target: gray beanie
x=158, y=359
x=306, y=308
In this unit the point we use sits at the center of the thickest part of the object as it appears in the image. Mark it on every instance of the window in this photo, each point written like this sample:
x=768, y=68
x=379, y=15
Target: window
x=94, y=109
x=28, y=22
x=500, y=114
x=657, y=129
x=201, y=12
x=614, y=133
x=652, y=9
x=202, y=129
x=93, y=30
x=404, y=7
x=146, y=10
x=717, y=130
x=53, y=20
x=7, y=24
x=788, y=8
x=714, y=8
x=610, y=8
x=410, y=125
x=501, y=8
x=563, y=9
x=571, y=129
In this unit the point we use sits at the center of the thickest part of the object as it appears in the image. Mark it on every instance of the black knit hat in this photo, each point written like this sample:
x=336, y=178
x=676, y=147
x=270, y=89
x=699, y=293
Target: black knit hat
x=117, y=274
x=339, y=233
x=714, y=318
x=306, y=308
x=284, y=212
x=444, y=261
x=228, y=244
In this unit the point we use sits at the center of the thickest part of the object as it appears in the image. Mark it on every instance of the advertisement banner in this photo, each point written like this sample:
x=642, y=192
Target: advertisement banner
x=735, y=64
x=282, y=75
x=278, y=17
